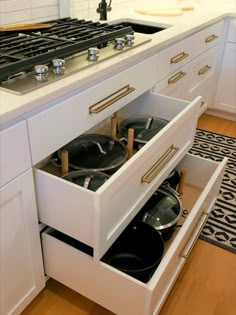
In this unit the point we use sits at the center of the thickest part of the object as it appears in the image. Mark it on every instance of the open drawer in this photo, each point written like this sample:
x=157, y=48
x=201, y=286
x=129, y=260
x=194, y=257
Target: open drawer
x=119, y=292
x=98, y=218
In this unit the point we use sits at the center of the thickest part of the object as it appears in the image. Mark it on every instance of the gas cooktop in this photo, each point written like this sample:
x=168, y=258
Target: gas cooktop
x=31, y=59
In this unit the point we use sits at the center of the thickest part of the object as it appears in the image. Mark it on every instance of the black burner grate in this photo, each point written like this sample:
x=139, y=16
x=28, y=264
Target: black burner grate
x=21, y=51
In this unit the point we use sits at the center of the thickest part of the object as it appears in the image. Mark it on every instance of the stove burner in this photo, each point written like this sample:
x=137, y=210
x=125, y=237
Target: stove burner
x=21, y=52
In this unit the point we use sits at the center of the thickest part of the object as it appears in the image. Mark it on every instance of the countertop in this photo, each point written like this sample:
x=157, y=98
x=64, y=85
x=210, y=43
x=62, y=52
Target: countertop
x=205, y=13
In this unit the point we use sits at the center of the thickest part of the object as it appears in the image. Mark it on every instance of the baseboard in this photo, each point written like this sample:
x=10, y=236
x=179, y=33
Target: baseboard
x=221, y=114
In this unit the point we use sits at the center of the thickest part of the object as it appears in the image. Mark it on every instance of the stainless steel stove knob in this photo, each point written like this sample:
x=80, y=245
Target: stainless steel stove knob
x=129, y=39
x=119, y=43
x=58, y=66
x=93, y=54
x=41, y=72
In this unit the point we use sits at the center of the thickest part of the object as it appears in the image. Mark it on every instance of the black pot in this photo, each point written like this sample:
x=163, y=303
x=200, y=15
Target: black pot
x=95, y=152
x=172, y=179
x=87, y=179
x=137, y=252
x=162, y=211
x=145, y=127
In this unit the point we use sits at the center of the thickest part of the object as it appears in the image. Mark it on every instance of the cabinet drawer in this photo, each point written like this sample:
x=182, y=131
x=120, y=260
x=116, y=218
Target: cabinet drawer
x=95, y=218
x=174, y=57
x=14, y=152
x=203, y=67
x=51, y=129
x=119, y=292
x=176, y=84
x=205, y=90
x=208, y=38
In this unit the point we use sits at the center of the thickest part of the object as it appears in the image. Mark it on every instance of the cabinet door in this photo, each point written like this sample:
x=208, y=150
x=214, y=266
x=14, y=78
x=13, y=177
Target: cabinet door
x=21, y=267
x=226, y=92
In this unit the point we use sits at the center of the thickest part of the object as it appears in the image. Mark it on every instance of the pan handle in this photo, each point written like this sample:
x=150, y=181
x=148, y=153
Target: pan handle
x=159, y=164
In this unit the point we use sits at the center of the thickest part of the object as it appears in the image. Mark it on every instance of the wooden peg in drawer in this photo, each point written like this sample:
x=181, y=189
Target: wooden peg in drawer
x=181, y=182
x=130, y=143
x=114, y=127
x=64, y=162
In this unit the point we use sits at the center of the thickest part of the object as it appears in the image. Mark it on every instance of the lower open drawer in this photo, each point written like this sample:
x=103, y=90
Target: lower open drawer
x=119, y=292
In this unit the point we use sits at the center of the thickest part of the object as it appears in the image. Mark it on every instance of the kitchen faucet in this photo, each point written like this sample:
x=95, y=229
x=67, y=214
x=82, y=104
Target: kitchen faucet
x=103, y=8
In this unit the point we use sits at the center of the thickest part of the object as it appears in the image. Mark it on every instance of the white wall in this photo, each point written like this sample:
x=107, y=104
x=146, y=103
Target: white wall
x=17, y=11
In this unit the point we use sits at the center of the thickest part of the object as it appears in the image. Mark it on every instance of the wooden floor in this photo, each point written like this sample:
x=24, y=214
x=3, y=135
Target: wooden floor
x=207, y=285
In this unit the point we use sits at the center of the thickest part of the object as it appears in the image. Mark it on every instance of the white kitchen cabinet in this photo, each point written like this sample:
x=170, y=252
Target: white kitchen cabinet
x=96, y=219
x=21, y=267
x=225, y=99
x=194, y=79
x=14, y=152
x=226, y=87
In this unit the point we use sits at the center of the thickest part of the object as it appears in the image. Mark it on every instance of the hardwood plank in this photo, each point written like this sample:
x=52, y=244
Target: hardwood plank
x=207, y=285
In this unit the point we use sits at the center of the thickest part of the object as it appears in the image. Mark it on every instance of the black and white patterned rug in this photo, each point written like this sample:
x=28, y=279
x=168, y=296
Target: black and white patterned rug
x=220, y=228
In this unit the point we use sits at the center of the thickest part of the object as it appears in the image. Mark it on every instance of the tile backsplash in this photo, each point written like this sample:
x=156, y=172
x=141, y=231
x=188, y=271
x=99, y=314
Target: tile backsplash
x=18, y=11
x=25, y=11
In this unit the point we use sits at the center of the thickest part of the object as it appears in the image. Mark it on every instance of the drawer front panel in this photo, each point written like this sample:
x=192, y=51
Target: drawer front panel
x=95, y=279
x=174, y=57
x=205, y=89
x=203, y=67
x=175, y=85
x=208, y=38
x=14, y=152
x=96, y=218
x=57, y=126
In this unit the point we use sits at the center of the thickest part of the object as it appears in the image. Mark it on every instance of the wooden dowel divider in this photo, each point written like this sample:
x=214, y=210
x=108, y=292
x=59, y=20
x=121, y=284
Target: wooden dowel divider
x=64, y=162
x=130, y=144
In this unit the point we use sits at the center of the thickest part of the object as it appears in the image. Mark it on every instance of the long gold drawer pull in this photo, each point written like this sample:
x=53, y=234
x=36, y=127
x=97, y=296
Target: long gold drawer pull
x=176, y=77
x=200, y=225
x=204, y=70
x=211, y=38
x=111, y=99
x=179, y=57
x=158, y=166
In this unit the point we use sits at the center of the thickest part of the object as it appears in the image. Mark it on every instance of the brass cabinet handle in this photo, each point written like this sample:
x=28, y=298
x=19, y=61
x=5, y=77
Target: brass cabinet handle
x=176, y=77
x=111, y=99
x=179, y=57
x=211, y=38
x=159, y=164
x=195, y=235
x=204, y=70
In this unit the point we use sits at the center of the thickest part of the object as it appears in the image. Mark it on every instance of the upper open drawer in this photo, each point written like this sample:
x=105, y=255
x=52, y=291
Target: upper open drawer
x=97, y=218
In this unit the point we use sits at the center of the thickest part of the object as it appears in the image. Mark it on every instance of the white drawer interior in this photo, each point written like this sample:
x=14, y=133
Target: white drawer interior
x=95, y=279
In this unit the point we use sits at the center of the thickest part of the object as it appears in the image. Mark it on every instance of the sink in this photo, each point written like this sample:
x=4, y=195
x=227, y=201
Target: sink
x=141, y=26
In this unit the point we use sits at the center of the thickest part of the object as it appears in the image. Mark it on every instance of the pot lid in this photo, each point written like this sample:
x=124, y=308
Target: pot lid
x=145, y=127
x=95, y=152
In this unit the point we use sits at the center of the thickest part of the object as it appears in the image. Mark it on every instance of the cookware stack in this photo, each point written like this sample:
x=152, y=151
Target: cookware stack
x=89, y=161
